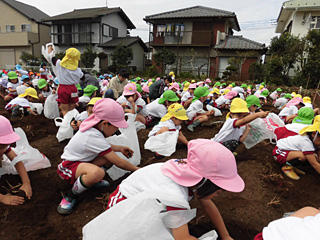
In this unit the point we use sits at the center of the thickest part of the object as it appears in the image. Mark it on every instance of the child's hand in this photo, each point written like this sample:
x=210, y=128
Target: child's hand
x=74, y=125
x=130, y=99
x=126, y=151
x=263, y=114
x=248, y=126
x=26, y=187
x=53, y=91
x=9, y=199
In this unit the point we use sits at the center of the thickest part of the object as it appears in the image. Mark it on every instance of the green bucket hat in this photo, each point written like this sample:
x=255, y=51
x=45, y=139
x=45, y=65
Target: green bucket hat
x=42, y=83
x=200, y=92
x=263, y=83
x=250, y=86
x=244, y=85
x=170, y=96
x=279, y=90
x=89, y=90
x=138, y=78
x=253, y=100
x=288, y=95
x=78, y=87
x=153, y=80
x=305, y=116
x=223, y=84
x=218, y=84
x=139, y=88
x=12, y=75
x=265, y=93
x=233, y=84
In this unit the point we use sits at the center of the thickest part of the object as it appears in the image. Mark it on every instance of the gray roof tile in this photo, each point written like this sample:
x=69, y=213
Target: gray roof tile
x=239, y=43
x=29, y=11
x=196, y=11
x=125, y=41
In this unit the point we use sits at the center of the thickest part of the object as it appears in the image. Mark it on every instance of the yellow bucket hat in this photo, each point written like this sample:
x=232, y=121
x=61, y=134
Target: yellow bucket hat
x=186, y=86
x=149, y=84
x=29, y=92
x=175, y=110
x=215, y=90
x=193, y=81
x=298, y=95
x=94, y=100
x=314, y=127
x=226, y=92
x=239, y=105
x=71, y=60
x=306, y=100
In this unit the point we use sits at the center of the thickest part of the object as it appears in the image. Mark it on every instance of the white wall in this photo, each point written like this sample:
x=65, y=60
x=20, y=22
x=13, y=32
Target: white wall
x=138, y=56
x=302, y=29
x=114, y=20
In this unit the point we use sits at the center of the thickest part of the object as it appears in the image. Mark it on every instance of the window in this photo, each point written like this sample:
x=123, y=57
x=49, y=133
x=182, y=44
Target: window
x=10, y=28
x=26, y=28
x=315, y=22
x=84, y=33
x=113, y=32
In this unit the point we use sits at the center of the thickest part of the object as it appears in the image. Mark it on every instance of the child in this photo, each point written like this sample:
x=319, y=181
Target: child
x=195, y=112
x=282, y=101
x=46, y=90
x=224, y=101
x=89, y=92
x=288, y=113
x=132, y=102
x=12, y=86
x=172, y=122
x=145, y=94
x=208, y=170
x=253, y=103
x=43, y=71
x=275, y=95
x=7, y=137
x=158, y=108
x=307, y=102
x=88, y=150
x=22, y=101
x=69, y=75
x=234, y=131
x=79, y=118
x=299, y=149
x=26, y=83
x=188, y=95
x=176, y=88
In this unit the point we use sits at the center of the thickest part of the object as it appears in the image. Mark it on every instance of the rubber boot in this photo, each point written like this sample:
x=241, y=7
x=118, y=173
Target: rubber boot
x=193, y=125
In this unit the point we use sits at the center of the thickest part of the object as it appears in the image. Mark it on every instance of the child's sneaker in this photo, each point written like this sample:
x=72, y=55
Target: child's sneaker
x=288, y=171
x=66, y=205
x=102, y=183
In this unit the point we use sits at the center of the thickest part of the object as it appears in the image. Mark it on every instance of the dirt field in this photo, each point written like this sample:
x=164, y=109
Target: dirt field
x=268, y=194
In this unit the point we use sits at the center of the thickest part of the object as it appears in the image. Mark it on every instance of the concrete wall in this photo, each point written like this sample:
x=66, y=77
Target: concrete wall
x=138, y=56
x=302, y=29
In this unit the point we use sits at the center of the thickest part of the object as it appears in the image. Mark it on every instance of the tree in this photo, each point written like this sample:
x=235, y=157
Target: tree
x=164, y=58
x=88, y=57
x=122, y=56
x=29, y=59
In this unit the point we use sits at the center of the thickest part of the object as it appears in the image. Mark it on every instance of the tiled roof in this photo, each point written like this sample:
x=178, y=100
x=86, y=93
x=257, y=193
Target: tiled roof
x=91, y=13
x=125, y=41
x=30, y=12
x=196, y=11
x=239, y=43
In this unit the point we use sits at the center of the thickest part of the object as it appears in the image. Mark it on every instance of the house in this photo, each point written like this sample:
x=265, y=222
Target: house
x=202, y=39
x=298, y=17
x=103, y=28
x=21, y=30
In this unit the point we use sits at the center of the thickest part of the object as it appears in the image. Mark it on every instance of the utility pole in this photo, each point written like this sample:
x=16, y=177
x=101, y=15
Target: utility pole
x=106, y=3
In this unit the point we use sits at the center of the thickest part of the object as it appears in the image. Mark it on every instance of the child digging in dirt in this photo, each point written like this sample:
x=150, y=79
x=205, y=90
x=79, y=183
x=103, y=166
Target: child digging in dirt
x=7, y=137
x=209, y=169
x=88, y=150
x=235, y=130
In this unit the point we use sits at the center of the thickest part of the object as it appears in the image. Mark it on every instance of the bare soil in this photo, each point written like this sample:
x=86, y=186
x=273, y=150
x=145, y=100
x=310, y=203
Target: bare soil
x=268, y=194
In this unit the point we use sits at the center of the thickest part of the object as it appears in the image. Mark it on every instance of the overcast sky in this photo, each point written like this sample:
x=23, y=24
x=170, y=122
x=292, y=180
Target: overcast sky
x=250, y=13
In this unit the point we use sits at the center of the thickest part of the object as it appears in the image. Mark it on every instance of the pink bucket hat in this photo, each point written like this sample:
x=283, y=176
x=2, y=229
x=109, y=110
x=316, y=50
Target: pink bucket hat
x=174, y=86
x=7, y=135
x=206, y=159
x=294, y=102
x=105, y=109
x=200, y=83
x=105, y=83
x=130, y=89
x=157, y=79
x=193, y=86
x=208, y=80
x=231, y=95
x=145, y=88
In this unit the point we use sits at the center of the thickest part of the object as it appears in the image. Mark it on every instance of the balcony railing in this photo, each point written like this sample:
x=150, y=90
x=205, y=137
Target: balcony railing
x=195, y=38
x=72, y=38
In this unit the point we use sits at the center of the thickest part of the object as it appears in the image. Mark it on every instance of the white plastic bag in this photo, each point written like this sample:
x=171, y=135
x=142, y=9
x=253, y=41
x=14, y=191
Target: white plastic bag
x=164, y=144
x=31, y=157
x=212, y=235
x=217, y=112
x=139, y=217
x=38, y=107
x=48, y=56
x=262, y=129
x=128, y=138
x=139, y=125
x=51, y=109
x=65, y=130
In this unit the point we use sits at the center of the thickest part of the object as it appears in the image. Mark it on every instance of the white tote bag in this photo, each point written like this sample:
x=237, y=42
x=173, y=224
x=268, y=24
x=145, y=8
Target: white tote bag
x=164, y=144
x=217, y=112
x=65, y=130
x=128, y=138
x=51, y=109
x=37, y=107
x=31, y=157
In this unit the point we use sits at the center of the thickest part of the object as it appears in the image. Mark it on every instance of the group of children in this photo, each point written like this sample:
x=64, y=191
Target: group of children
x=210, y=166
